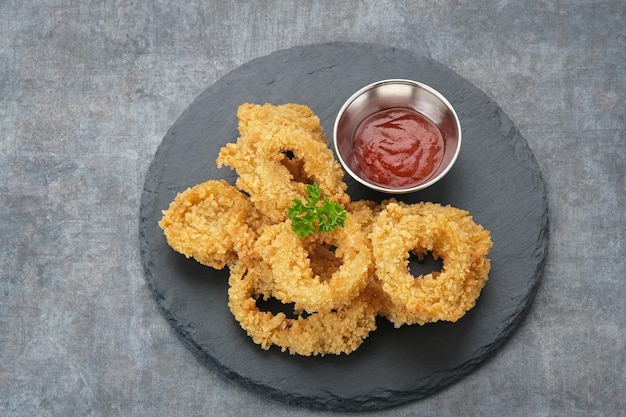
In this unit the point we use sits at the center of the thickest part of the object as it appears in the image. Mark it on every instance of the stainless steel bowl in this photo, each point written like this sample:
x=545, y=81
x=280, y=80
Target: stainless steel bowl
x=395, y=93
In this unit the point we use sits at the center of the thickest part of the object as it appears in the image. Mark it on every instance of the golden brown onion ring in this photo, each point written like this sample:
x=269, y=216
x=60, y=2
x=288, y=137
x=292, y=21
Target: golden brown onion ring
x=294, y=275
x=280, y=150
x=446, y=232
x=336, y=331
x=201, y=220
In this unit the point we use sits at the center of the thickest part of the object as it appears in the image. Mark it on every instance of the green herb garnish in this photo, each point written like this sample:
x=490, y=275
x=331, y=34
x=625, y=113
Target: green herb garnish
x=310, y=217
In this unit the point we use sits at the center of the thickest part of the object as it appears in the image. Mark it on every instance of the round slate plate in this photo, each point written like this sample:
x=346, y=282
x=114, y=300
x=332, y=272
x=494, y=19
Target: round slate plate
x=495, y=177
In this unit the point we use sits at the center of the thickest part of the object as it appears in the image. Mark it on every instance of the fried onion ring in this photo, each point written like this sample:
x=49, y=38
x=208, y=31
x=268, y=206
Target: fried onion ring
x=446, y=232
x=294, y=278
x=336, y=331
x=202, y=220
x=280, y=150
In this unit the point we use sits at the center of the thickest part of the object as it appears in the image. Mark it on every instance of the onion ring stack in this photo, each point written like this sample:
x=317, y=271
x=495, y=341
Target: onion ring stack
x=331, y=287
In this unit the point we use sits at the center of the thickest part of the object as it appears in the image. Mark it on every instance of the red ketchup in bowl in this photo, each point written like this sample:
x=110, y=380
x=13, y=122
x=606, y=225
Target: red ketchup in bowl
x=398, y=147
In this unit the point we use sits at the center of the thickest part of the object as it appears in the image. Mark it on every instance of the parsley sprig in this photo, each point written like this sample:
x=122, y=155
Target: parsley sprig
x=310, y=217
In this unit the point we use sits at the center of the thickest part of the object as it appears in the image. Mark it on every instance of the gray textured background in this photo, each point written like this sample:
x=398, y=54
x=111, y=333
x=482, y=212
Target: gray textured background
x=89, y=88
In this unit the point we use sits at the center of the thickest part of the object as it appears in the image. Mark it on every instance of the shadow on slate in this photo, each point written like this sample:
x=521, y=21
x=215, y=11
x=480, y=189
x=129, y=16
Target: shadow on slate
x=496, y=178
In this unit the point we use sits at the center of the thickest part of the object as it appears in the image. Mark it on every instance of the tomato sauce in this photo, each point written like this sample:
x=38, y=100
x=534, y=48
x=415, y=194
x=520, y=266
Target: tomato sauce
x=398, y=147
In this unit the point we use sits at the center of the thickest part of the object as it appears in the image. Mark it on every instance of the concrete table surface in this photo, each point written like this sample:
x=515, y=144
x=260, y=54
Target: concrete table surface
x=87, y=92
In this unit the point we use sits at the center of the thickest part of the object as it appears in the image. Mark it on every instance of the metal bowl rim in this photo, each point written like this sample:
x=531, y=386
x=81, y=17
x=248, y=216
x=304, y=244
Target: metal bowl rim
x=378, y=84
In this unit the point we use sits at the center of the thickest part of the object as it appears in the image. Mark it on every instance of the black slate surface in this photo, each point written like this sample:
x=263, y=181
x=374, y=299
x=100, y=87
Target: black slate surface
x=496, y=178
